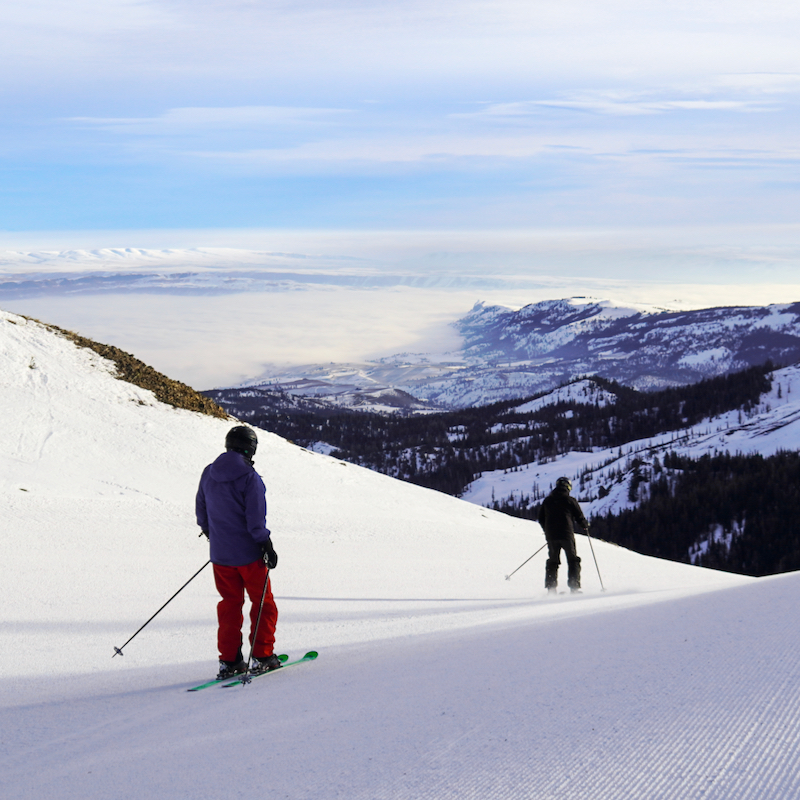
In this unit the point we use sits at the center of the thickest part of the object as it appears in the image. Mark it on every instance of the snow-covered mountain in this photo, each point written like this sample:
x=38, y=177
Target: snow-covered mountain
x=511, y=353
x=641, y=347
x=436, y=677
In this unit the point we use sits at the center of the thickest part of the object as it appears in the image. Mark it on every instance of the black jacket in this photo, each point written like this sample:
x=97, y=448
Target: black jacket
x=558, y=512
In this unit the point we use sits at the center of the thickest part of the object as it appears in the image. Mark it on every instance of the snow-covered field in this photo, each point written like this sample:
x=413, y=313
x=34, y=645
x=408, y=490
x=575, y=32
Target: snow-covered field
x=436, y=678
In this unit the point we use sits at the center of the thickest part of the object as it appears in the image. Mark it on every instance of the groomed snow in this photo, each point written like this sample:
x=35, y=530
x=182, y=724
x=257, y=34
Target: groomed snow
x=436, y=678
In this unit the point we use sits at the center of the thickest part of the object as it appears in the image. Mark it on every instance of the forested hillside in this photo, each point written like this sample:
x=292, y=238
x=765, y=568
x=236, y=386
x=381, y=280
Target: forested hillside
x=447, y=451
x=735, y=513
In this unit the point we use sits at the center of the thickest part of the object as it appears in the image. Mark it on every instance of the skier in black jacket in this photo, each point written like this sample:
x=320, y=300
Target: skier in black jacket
x=557, y=516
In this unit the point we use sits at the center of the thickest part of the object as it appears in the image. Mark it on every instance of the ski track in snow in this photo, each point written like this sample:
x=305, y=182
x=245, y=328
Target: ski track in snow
x=695, y=698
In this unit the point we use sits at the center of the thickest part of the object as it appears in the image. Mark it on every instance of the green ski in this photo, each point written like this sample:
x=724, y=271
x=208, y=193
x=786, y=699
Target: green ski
x=282, y=658
x=242, y=680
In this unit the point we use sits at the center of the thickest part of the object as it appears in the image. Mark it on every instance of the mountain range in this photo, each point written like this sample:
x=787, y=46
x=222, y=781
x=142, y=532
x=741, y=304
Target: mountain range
x=512, y=353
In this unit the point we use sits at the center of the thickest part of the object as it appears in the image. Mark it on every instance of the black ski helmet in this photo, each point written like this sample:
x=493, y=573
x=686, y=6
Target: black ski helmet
x=243, y=440
x=564, y=483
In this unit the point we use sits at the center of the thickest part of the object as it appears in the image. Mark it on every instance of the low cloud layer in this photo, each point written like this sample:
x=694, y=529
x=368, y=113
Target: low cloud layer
x=215, y=315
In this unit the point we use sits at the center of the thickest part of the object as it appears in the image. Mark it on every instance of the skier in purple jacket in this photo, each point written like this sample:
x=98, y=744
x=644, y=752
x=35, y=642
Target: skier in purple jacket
x=231, y=510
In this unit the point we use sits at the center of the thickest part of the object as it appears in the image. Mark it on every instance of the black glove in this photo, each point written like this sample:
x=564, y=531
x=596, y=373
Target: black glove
x=269, y=555
x=203, y=533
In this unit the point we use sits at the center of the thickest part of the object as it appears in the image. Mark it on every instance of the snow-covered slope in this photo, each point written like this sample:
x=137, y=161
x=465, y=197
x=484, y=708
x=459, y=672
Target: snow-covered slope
x=583, y=392
x=437, y=678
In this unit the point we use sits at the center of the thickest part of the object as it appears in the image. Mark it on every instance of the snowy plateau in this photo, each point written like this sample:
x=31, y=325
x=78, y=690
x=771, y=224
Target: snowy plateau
x=436, y=678
x=509, y=353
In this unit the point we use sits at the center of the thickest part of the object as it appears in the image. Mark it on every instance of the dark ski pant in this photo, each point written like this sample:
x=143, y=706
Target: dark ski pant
x=554, y=549
x=232, y=583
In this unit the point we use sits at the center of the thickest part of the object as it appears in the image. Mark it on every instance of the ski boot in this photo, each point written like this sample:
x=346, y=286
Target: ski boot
x=266, y=664
x=551, y=576
x=227, y=669
x=574, y=578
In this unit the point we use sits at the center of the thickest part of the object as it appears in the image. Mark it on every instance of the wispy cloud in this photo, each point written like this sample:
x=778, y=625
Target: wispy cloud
x=743, y=93
x=618, y=104
x=282, y=141
x=392, y=149
x=767, y=83
x=129, y=113
x=187, y=120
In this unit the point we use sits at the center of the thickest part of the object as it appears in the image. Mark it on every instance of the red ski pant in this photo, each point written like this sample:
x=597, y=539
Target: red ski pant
x=232, y=583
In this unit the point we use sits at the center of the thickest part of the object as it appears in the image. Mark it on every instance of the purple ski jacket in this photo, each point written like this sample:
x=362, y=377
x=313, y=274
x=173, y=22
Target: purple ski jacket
x=231, y=505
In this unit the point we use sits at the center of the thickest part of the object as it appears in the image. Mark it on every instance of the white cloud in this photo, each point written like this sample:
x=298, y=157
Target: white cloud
x=391, y=149
x=130, y=100
x=642, y=152
x=767, y=83
x=619, y=104
x=191, y=46
x=189, y=120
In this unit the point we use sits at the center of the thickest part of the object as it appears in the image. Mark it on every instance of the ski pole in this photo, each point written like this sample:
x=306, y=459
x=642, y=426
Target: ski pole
x=508, y=577
x=246, y=677
x=118, y=650
x=595, y=559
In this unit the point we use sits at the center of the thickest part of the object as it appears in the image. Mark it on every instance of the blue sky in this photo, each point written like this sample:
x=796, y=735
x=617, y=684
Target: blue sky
x=414, y=115
x=637, y=150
